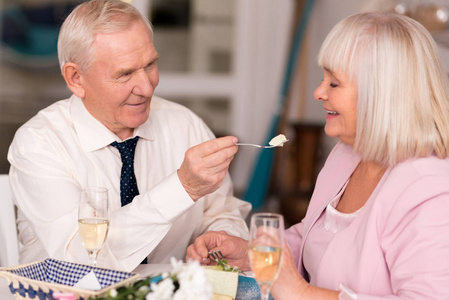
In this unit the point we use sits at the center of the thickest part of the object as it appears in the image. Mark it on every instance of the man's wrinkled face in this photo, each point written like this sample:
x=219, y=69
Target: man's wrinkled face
x=119, y=85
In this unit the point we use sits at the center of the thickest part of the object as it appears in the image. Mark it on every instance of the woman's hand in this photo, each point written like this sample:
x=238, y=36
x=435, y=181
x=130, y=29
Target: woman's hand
x=291, y=285
x=234, y=249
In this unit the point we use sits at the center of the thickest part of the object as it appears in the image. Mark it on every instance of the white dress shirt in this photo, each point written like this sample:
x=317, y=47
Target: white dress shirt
x=63, y=149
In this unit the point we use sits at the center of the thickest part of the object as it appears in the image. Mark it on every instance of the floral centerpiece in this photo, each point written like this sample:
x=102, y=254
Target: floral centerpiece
x=183, y=282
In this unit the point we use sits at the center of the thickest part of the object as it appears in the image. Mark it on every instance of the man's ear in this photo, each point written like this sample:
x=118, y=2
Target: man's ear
x=74, y=79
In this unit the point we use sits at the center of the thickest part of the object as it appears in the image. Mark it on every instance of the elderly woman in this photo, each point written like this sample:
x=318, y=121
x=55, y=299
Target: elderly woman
x=378, y=222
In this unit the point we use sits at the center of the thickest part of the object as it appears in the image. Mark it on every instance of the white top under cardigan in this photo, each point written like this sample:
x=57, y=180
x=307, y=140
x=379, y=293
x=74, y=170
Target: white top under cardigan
x=330, y=223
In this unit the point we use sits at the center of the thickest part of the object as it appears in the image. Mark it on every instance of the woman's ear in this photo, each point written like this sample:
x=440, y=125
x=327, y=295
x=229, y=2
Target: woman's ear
x=74, y=79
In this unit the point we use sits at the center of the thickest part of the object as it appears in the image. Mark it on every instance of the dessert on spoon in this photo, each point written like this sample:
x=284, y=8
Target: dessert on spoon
x=277, y=141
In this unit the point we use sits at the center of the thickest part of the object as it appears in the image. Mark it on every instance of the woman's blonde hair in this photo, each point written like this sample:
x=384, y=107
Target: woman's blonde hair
x=88, y=19
x=403, y=92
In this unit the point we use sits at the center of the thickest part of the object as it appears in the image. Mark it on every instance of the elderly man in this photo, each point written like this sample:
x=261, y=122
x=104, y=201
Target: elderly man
x=180, y=171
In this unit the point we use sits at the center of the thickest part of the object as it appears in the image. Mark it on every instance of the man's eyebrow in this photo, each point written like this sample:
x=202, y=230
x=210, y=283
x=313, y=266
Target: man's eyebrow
x=131, y=70
x=121, y=72
x=155, y=59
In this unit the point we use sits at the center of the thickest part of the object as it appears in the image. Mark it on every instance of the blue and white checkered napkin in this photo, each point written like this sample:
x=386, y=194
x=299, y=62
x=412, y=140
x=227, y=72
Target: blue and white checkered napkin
x=61, y=272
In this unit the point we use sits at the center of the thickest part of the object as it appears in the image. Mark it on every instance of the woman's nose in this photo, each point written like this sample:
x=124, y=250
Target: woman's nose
x=320, y=93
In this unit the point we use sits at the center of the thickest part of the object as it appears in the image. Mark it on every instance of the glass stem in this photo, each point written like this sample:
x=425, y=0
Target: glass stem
x=264, y=292
x=93, y=257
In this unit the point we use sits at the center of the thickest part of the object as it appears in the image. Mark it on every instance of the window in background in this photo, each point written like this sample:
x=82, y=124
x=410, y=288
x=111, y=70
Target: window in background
x=193, y=36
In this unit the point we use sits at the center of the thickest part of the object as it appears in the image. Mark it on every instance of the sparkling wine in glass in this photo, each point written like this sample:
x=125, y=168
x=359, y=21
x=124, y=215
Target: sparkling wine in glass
x=266, y=243
x=93, y=220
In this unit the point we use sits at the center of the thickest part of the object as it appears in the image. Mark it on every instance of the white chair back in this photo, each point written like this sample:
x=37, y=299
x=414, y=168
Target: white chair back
x=9, y=245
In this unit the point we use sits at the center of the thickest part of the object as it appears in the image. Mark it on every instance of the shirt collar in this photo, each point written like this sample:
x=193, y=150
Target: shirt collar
x=93, y=135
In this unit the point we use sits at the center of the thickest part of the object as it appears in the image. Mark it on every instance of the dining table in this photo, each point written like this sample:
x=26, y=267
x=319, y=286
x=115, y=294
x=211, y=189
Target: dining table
x=247, y=289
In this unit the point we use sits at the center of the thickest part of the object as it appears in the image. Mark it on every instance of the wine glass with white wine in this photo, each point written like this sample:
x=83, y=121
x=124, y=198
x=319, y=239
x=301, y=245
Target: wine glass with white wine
x=266, y=243
x=93, y=220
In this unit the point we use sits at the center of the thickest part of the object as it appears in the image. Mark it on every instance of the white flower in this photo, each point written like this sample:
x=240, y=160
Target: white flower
x=144, y=289
x=191, y=279
x=177, y=266
x=162, y=290
x=113, y=293
x=193, y=283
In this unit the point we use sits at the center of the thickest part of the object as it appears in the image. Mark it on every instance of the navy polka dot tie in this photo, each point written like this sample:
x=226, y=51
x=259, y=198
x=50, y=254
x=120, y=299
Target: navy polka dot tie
x=128, y=183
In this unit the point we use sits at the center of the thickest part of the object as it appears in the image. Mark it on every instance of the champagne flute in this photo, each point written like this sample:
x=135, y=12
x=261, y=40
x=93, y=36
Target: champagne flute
x=266, y=243
x=93, y=220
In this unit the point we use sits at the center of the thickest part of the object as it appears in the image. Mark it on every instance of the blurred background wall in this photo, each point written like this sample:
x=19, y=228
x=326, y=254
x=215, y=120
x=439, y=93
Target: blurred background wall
x=224, y=59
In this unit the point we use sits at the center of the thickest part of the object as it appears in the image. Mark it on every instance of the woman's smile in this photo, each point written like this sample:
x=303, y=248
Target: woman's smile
x=331, y=114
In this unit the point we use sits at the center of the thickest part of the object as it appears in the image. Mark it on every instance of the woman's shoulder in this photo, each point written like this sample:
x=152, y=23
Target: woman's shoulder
x=414, y=182
x=415, y=168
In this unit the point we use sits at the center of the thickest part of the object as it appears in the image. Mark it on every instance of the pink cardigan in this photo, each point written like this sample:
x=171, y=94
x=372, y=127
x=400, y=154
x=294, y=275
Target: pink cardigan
x=398, y=246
